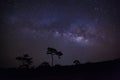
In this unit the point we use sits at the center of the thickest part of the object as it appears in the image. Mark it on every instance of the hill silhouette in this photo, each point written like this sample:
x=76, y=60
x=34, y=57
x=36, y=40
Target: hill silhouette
x=107, y=70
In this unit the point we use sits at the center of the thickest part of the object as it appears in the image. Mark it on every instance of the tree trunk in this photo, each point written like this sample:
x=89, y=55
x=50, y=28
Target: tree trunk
x=52, y=59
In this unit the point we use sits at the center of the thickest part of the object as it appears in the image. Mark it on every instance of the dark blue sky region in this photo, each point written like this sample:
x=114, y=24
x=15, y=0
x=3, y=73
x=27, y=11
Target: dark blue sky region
x=87, y=30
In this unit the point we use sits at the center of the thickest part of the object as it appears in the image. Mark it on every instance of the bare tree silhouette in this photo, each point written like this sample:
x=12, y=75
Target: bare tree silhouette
x=53, y=52
x=26, y=61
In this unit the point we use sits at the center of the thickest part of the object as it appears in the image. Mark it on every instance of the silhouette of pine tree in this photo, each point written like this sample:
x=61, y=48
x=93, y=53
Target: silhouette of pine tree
x=53, y=52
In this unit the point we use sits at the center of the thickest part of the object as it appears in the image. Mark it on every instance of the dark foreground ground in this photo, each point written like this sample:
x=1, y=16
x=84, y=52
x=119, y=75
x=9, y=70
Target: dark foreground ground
x=93, y=71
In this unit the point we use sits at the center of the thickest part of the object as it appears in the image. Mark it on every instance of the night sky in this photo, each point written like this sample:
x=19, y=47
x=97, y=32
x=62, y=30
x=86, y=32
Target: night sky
x=86, y=30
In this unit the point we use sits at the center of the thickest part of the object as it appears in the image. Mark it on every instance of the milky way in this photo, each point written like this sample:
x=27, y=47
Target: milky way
x=87, y=30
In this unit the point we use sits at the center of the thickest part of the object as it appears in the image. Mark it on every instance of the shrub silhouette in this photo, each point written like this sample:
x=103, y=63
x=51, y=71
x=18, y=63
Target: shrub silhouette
x=76, y=62
x=25, y=60
x=53, y=52
x=45, y=64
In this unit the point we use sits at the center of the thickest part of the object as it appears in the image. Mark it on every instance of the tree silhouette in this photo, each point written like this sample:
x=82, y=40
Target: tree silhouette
x=25, y=60
x=53, y=52
x=59, y=54
x=76, y=62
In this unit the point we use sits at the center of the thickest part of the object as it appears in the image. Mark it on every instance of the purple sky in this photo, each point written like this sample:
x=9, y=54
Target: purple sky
x=87, y=30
